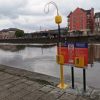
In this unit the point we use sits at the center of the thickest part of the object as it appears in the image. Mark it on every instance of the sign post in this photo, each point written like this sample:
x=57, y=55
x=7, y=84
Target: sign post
x=58, y=20
x=62, y=85
x=71, y=55
x=60, y=60
x=74, y=54
x=84, y=79
x=72, y=72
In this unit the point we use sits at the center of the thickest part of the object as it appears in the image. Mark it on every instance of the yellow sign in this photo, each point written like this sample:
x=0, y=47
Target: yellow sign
x=60, y=59
x=58, y=19
x=79, y=62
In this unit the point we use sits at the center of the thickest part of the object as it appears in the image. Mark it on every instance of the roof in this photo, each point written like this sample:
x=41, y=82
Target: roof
x=69, y=14
x=87, y=11
x=9, y=29
x=97, y=15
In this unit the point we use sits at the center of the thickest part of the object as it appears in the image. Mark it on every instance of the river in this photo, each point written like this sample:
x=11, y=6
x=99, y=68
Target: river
x=43, y=60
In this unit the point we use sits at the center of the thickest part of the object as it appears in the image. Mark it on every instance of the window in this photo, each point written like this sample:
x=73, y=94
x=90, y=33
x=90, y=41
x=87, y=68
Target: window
x=81, y=26
x=88, y=16
x=96, y=20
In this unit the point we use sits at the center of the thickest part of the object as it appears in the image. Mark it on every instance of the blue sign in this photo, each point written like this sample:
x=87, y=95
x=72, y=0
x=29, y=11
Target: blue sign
x=76, y=44
x=81, y=45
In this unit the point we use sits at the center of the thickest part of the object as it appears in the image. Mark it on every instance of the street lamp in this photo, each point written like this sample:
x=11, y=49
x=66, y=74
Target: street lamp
x=58, y=19
x=60, y=58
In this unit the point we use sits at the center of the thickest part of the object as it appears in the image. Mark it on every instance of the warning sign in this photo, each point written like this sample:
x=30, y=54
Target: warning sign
x=71, y=51
x=81, y=50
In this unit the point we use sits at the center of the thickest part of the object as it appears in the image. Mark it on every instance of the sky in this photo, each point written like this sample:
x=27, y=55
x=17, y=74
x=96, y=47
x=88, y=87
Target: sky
x=29, y=15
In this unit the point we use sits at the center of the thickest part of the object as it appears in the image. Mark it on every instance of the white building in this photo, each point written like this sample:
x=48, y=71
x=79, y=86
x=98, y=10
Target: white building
x=7, y=34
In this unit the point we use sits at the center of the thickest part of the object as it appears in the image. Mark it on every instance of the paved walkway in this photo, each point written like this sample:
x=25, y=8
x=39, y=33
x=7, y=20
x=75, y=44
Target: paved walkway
x=18, y=84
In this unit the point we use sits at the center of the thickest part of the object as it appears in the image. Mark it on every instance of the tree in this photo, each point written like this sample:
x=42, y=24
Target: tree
x=19, y=33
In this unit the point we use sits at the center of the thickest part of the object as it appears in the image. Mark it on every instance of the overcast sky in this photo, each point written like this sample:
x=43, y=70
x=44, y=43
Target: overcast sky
x=29, y=14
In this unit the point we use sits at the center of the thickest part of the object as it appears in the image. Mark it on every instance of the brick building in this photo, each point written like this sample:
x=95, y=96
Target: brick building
x=97, y=23
x=81, y=21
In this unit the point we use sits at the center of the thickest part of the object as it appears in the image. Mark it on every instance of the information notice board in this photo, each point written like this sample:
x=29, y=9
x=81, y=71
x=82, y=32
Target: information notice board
x=72, y=50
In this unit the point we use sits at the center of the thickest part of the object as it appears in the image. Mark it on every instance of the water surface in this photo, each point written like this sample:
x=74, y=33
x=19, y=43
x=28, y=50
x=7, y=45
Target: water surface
x=43, y=60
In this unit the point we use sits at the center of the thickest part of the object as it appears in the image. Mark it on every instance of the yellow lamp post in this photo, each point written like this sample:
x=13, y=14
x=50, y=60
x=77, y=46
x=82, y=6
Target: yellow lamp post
x=60, y=58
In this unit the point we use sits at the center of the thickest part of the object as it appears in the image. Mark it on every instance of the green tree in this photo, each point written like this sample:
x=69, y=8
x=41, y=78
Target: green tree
x=19, y=33
x=67, y=29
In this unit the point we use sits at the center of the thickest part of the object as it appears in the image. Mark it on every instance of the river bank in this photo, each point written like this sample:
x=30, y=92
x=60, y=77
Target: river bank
x=48, y=40
x=19, y=84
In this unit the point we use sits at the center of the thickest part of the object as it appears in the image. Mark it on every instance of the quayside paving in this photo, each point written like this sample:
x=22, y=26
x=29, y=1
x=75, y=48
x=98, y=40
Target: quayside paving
x=19, y=84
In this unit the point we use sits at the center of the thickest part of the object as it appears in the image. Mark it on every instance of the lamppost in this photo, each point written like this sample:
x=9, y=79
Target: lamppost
x=58, y=19
x=60, y=58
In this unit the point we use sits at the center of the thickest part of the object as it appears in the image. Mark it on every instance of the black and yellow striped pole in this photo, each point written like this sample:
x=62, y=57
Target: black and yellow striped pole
x=62, y=85
x=59, y=58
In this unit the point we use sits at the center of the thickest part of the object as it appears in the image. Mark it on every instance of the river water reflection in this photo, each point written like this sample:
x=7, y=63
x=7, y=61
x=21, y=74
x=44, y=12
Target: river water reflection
x=43, y=60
